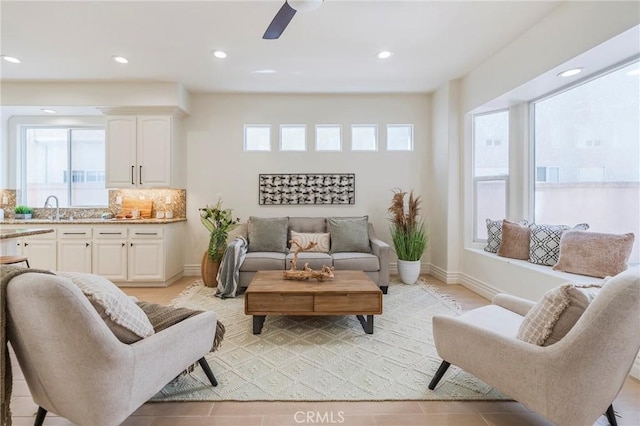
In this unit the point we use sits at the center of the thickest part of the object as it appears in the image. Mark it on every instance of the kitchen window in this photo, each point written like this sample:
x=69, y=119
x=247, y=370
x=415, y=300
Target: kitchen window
x=68, y=162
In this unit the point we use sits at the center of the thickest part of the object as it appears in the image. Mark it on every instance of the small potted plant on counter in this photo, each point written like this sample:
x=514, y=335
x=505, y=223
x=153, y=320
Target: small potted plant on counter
x=23, y=212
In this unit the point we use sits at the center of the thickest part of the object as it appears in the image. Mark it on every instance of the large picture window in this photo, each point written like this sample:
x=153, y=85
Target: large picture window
x=66, y=162
x=587, y=155
x=491, y=169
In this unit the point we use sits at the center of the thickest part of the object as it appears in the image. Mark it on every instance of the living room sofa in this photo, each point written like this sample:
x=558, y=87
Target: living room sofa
x=372, y=258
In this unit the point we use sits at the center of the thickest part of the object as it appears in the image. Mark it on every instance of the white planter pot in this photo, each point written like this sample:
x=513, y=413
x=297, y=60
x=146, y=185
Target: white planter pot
x=409, y=271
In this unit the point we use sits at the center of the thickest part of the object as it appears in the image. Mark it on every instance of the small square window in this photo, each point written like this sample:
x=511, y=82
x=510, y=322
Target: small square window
x=400, y=137
x=364, y=137
x=257, y=137
x=328, y=137
x=293, y=137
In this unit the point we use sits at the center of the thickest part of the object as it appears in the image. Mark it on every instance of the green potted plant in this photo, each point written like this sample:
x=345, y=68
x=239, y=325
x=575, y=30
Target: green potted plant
x=23, y=212
x=408, y=235
x=219, y=222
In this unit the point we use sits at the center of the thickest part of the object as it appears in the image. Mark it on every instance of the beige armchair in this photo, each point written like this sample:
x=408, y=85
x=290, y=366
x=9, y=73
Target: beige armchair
x=76, y=367
x=571, y=382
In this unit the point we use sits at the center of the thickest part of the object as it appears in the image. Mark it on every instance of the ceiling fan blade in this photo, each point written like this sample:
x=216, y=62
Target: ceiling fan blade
x=280, y=22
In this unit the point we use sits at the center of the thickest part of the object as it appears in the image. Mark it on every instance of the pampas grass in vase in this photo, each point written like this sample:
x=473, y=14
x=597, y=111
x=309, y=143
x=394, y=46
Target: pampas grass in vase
x=408, y=234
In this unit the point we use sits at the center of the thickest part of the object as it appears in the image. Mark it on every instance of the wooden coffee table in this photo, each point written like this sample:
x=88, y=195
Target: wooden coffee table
x=348, y=293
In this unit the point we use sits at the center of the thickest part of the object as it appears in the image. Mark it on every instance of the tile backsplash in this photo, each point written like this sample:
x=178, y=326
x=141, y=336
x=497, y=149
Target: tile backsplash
x=174, y=200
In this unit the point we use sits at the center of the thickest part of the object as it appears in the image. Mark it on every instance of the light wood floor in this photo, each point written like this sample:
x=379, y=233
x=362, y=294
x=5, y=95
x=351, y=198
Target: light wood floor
x=391, y=413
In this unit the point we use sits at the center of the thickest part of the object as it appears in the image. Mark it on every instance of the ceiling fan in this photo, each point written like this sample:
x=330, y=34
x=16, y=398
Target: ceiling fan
x=286, y=13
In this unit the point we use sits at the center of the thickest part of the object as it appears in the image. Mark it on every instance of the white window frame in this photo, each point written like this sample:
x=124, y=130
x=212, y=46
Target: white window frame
x=283, y=127
x=375, y=142
x=411, y=137
x=17, y=125
x=477, y=179
x=326, y=126
x=256, y=126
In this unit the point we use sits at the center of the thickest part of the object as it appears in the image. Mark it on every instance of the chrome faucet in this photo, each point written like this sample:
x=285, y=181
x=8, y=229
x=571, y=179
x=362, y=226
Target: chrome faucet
x=48, y=205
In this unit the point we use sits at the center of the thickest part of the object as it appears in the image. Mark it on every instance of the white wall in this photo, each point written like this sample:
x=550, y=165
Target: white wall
x=217, y=164
x=444, y=183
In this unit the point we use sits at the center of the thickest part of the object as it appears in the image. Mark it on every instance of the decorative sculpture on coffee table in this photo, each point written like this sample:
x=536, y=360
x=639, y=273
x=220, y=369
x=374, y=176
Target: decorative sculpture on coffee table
x=305, y=273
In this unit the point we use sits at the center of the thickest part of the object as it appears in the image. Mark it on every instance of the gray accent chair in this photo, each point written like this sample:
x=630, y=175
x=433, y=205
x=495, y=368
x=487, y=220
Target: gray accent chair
x=75, y=366
x=374, y=264
x=571, y=382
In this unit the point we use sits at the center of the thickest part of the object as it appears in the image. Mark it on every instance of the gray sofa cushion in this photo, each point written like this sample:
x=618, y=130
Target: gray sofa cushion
x=315, y=260
x=349, y=234
x=263, y=261
x=308, y=224
x=268, y=234
x=356, y=262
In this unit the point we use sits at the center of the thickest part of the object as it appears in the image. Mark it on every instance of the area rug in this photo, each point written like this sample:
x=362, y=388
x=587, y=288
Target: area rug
x=298, y=358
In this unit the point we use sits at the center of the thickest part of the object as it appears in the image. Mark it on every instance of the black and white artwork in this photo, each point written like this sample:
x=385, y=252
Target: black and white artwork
x=329, y=188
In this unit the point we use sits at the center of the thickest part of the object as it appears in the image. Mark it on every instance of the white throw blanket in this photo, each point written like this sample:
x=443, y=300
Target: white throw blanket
x=229, y=272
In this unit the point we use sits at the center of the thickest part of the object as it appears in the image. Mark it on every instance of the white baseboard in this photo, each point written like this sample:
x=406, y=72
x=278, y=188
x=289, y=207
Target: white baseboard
x=191, y=270
x=445, y=276
x=480, y=287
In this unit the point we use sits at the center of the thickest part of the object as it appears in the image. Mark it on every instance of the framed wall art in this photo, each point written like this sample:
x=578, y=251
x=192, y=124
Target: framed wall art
x=307, y=188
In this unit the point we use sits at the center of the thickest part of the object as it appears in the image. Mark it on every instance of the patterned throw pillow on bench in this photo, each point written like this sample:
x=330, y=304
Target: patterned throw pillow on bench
x=544, y=243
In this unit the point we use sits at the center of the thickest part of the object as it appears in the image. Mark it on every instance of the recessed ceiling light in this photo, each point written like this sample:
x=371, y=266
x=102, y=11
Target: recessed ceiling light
x=570, y=73
x=384, y=54
x=11, y=59
x=48, y=111
x=264, y=71
x=219, y=54
x=120, y=59
x=634, y=72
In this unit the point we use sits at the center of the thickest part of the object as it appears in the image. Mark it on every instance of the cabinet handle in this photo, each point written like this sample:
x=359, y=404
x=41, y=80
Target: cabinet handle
x=132, y=182
x=140, y=175
x=109, y=233
x=25, y=244
x=86, y=244
x=131, y=245
x=123, y=244
x=74, y=233
x=146, y=233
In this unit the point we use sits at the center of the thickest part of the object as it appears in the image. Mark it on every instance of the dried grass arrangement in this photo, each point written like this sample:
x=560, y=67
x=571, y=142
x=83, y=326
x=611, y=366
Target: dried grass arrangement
x=407, y=229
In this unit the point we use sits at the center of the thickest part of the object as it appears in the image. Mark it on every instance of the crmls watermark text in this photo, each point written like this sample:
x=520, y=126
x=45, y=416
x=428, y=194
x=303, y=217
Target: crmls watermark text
x=315, y=417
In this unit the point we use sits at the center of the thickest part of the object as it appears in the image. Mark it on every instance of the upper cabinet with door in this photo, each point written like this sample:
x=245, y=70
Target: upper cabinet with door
x=142, y=151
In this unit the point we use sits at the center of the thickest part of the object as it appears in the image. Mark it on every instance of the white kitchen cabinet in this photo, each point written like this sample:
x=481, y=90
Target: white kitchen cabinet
x=74, y=249
x=109, y=254
x=146, y=259
x=141, y=152
x=130, y=255
x=40, y=249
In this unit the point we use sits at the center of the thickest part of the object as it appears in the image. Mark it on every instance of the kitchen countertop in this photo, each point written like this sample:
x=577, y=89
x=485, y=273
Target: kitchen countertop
x=17, y=233
x=91, y=221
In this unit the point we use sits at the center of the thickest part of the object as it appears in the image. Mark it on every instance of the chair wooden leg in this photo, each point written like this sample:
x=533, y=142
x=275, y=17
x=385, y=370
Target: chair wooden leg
x=611, y=416
x=207, y=370
x=441, y=370
x=40, y=417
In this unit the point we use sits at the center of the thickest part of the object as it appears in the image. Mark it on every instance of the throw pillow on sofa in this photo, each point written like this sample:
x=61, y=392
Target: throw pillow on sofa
x=556, y=313
x=494, y=234
x=304, y=239
x=515, y=241
x=544, y=245
x=349, y=234
x=267, y=234
x=594, y=254
x=124, y=318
